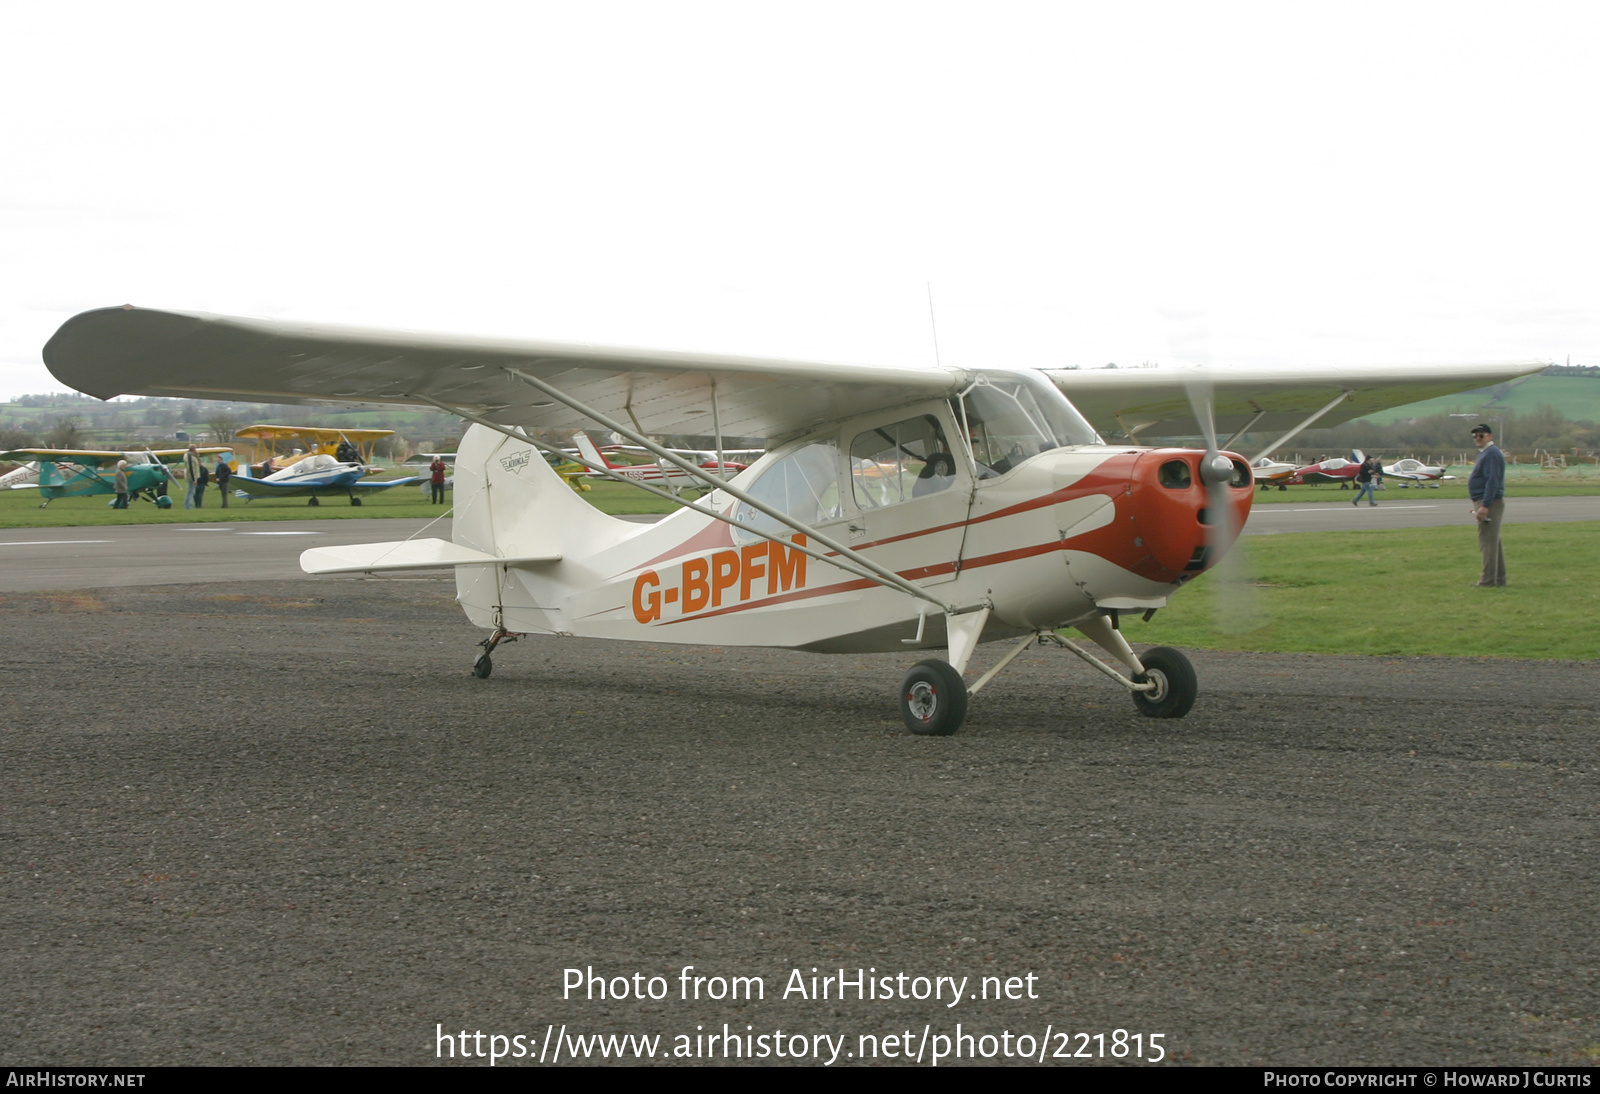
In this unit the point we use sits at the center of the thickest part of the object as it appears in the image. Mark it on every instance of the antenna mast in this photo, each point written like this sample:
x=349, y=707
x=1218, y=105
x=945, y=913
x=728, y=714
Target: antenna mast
x=933, y=325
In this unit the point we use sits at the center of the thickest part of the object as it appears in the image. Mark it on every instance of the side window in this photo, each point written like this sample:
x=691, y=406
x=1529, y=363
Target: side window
x=895, y=463
x=804, y=485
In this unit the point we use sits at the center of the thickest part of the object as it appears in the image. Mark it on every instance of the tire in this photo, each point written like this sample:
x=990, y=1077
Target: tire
x=933, y=699
x=482, y=667
x=313, y=500
x=1177, y=685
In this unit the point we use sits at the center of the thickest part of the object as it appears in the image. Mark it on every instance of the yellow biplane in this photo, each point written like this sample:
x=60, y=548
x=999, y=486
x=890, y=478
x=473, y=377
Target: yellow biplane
x=287, y=444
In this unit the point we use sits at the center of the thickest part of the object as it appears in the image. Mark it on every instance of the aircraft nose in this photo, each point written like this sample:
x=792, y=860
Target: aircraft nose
x=1171, y=509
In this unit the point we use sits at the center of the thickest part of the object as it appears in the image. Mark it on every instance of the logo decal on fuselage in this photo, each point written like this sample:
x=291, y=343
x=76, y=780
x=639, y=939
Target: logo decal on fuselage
x=515, y=462
x=758, y=570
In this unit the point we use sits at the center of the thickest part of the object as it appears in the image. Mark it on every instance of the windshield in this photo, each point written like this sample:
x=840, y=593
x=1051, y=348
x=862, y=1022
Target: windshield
x=1011, y=416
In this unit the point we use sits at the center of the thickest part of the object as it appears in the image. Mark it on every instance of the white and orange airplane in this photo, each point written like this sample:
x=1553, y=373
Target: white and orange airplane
x=897, y=509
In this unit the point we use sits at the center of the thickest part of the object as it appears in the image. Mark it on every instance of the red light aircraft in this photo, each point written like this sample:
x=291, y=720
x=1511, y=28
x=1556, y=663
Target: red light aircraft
x=1336, y=469
x=660, y=472
x=897, y=509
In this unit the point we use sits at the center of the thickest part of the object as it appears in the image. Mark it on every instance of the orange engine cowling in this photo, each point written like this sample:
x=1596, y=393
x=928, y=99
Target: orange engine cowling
x=1171, y=511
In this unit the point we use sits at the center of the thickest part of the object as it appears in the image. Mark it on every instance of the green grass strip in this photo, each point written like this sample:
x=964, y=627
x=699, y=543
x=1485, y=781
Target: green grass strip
x=1394, y=593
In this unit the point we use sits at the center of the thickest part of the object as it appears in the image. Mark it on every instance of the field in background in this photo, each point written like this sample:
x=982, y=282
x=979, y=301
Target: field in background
x=20, y=508
x=1397, y=592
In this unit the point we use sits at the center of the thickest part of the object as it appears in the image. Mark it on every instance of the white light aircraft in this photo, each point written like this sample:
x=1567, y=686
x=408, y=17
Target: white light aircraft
x=1416, y=471
x=896, y=509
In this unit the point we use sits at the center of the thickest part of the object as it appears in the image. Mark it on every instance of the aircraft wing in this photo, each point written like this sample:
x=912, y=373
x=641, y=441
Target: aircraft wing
x=1154, y=402
x=311, y=433
x=84, y=457
x=130, y=350
x=367, y=486
x=289, y=488
x=176, y=455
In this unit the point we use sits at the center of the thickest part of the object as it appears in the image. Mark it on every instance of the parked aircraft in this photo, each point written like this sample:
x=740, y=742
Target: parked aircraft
x=1416, y=471
x=286, y=444
x=1337, y=469
x=1009, y=518
x=660, y=472
x=1270, y=472
x=77, y=472
x=314, y=477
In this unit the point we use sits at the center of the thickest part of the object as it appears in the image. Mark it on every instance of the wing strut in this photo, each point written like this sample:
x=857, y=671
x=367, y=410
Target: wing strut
x=1293, y=433
x=1237, y=433
x=869, y=571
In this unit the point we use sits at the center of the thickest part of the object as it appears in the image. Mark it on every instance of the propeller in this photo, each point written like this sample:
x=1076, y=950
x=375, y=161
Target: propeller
x=1238, y=608
x=1237, y=604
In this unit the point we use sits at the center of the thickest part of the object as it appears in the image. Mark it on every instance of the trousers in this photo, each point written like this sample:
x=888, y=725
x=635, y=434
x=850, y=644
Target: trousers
x=1490, y=547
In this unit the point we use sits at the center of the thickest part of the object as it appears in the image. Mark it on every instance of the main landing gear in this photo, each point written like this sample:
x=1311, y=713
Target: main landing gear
x=933, y=695
x=933, y=698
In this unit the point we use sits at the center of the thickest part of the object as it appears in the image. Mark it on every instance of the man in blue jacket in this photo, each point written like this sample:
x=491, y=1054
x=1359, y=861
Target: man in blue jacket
x=1487, y=489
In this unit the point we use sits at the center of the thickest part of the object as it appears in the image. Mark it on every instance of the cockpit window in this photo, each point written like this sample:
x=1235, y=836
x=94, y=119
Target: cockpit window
x=900, y=461
x=1012, y=416
x=804, y=485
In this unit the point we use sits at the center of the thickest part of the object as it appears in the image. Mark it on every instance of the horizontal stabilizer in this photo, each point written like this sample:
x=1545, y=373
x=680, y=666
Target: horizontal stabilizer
x=410, y=554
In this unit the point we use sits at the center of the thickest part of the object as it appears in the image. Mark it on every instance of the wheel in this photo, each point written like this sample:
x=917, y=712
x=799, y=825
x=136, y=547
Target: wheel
x=313, y=500
x=354, y=500
x=1176, y=686
x=483, y=666
x=933, y=699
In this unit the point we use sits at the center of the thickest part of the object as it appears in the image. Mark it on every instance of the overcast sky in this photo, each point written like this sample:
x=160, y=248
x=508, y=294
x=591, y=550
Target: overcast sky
x=1079, y=182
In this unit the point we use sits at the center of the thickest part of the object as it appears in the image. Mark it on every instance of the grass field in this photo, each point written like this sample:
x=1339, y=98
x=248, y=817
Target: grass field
x=20, y=508
x=1396, y=593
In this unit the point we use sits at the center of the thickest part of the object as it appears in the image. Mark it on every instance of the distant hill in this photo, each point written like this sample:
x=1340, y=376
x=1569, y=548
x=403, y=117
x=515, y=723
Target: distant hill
x=1577, y=398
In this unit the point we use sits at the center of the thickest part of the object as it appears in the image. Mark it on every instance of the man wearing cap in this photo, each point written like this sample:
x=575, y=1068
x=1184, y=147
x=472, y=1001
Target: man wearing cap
x=1487, y=488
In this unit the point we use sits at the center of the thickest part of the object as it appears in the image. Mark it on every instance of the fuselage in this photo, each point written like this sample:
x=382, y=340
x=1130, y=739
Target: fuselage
x=960, y=499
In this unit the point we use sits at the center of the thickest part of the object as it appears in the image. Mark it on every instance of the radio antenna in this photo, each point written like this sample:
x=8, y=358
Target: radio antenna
x=933, y=325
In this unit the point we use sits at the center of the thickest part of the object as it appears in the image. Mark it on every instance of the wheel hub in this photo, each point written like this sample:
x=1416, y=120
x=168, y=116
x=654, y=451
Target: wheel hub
x=923, y=700
x=1158, y=684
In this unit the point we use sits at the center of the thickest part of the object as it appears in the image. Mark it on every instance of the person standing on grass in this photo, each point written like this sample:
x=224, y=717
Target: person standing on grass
x=1486, y=486
x=120, y=482
x=192, y=466
x=222, y=474
x=436, y=481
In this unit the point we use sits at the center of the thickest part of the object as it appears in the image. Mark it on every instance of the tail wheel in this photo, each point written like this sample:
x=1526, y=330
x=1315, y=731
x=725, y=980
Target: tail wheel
x=933, y=699
x=1175, y=684
x=482, y=667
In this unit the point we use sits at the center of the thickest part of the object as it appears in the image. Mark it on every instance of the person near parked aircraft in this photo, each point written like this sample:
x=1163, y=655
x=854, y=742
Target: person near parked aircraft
x=436, y=479
x=222, y=474
x=1367, y=480
x=192, y=466
x=120, y=480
